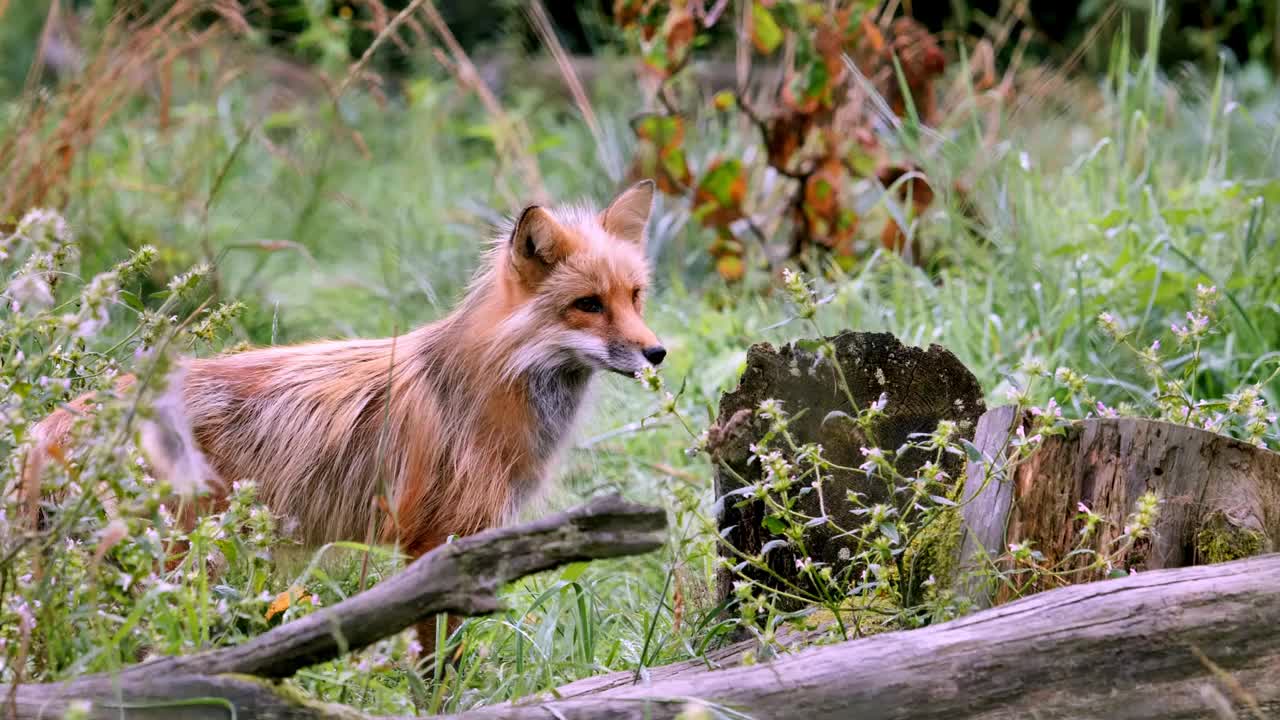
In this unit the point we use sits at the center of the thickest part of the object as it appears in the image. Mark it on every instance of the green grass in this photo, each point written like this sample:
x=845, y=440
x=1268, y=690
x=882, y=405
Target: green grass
x=1123, y=208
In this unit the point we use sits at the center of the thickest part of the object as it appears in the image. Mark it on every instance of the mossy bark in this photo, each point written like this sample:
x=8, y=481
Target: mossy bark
x=933, y=556
x=1220, y=540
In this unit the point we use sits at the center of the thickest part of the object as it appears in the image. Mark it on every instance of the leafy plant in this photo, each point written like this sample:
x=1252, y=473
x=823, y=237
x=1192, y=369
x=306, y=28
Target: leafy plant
x=817, y=136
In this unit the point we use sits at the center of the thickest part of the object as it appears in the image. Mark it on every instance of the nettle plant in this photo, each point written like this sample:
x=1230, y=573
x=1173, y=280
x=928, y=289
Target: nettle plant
x=1242, y=414
x=95, y=570
x=822, y=149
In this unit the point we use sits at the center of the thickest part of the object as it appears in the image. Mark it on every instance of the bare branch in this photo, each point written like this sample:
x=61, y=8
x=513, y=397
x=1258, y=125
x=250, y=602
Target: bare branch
x=462, y=577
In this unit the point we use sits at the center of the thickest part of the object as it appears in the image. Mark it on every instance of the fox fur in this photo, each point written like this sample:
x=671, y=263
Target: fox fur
x=448, y=429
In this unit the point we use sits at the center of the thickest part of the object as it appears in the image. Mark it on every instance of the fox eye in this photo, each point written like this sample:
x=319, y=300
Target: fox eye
x=589, y=304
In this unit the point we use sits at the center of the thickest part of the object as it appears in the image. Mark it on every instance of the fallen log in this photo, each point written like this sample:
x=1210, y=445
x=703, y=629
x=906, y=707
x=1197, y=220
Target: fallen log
x=1176, y=644
x=462, y=577
x=1219, y=498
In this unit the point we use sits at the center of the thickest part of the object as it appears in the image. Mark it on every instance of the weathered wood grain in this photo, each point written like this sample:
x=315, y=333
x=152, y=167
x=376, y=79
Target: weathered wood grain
x=1125, y=649
x=1176, y=644
x=1219, y=497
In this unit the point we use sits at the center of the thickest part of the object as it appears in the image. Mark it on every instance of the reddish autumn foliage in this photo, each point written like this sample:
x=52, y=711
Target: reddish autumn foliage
x=815, y=130
x=660, y=152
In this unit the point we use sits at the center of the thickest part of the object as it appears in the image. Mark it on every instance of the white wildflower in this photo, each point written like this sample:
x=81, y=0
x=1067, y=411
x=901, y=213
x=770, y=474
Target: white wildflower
x=30, y=291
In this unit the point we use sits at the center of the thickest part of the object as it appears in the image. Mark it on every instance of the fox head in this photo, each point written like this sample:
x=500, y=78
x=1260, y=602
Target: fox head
x=576, y=279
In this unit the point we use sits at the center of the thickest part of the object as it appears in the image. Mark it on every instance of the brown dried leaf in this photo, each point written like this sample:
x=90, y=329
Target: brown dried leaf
x=919, y=192
x=871, y=35
x=829, y=222
x=785, y=134
x=678, y=31
x=632, y=13
x=922, y=62
x=917, y=189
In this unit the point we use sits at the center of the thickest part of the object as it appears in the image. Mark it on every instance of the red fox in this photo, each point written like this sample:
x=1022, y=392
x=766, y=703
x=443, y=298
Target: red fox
x=456, y=424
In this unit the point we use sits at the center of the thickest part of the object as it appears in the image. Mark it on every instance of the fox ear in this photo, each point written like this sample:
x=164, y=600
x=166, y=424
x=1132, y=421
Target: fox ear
x=627, y=215
x=538, y=243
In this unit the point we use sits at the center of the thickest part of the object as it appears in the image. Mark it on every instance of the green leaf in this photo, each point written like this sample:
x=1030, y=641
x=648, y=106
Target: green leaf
x=765, y=33
x=548, y=142
x=890, y=531
x=1112, y=219
x=132, y=300
x=673, y=162
x=774, y=524
x=573, y=571
x=811, y=82
x=718, y=182
x=972, y=452
x=808, y=345
x=1271, y=192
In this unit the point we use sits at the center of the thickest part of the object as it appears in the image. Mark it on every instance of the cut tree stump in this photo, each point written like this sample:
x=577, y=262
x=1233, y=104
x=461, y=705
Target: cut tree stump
x=922, y=387
x=1219, y=497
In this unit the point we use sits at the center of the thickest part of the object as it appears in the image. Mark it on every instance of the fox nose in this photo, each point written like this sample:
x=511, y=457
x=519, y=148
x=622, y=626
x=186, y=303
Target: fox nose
x=654, y=354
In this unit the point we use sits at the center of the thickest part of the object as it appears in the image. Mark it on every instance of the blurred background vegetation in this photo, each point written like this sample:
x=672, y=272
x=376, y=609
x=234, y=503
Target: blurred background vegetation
x=993, y=177
x=1201, y=31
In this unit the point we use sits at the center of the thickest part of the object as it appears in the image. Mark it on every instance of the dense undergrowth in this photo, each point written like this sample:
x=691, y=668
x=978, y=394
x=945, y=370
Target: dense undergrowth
x=1145, y=202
